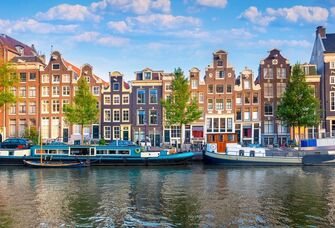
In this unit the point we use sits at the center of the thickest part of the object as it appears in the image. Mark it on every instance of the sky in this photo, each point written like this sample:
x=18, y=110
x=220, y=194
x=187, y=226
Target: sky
x=130, y=35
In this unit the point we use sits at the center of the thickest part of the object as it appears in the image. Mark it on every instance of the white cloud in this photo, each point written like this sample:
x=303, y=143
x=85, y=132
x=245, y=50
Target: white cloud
x=275, y=43
x=68, y=12
x=256, y=17
x=97, y=38
x=163, y=21
x=120, y=26
x=213, y=3
x=307, y=13
x=241, y=33
x=34, y=26
x=136, y=6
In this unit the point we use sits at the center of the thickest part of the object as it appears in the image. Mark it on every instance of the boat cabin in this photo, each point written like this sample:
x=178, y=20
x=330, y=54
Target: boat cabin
x=218, y=141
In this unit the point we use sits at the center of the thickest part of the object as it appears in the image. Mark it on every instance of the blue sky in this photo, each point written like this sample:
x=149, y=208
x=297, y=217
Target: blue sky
x=129, y=35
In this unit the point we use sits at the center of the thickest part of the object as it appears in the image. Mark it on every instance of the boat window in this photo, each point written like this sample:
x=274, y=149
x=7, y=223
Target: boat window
x=112, y=152
x=252, y=153
x=52, y=151
x=11, y=153
x=92, y=151
x=63, y=151
x=124, y=152
x=241, y=153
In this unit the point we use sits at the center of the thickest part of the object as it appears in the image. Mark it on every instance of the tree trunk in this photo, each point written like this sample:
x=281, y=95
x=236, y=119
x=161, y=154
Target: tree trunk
x=181, y=136
x=299, y=139
x=82, y=134
x=293, y=133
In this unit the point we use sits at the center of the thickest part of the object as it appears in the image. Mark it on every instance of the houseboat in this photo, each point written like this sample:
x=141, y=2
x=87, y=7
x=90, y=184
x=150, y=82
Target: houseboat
x=96, y=155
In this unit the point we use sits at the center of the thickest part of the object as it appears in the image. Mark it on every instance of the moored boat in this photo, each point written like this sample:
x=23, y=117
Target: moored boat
x=38, y=164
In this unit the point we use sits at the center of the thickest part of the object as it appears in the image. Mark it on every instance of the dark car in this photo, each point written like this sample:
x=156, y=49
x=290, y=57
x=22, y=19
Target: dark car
x=16, y=143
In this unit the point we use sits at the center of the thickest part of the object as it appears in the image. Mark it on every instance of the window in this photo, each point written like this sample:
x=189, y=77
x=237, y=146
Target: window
x=216, y=124
x=55, y=78
x=125, y=99
x=45, y=78
x=116, y=86
x=22, y=108
x=219, y=88
x=220, y=63
x=45, y=106
x=194, y=96
x=220, y=74
x=281, y=73
x=45, y=127
x=153, y=96
x=246, y=84
x=116, y=132
x=107, y=99
x=255, y=113
x=229, y=104
x=23, y=77
x=281, y=87
x=238, y=114
x=222, y=124
x=12, y=127
x=12, y=109
x=268, y=109
x=247, y=114
x=209, y=125
x=32, y=76
x=107, y=115
x=255, y=98
x=22, y=92
x=175, y=131
x=219, y=104
x=141, y=117
x=22, y=126
x=116, y=99
x=229, y=124
x=332, y=65
x=65, y=78
x=32, y=91
x=65, y=103
x=153, y=117
x=194, y=84
x=239, y=98
x=125, y=115
x=332, y=101
x=55, y=91
x=147, y=75
x=268, y=89
x=116, y=115
x=87, y=78
x=45, y=91
x=210, y=104
x=66, y=90
x=282, y=128
x=168, y=87
x=107, y=132
x=229, y=88
x=268, y=127
x=96, y=90
x=140, y=96
x=13, y=90
x=247, y=98
x=268, y=73
x=332, y=80
x=55, y=66
x=210, y=89
x=55, y=106
x=201, y=97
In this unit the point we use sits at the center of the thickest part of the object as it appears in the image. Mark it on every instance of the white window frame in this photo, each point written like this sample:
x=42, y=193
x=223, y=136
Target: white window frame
x=123, y=111
x=105, y=102
x=116, y=103
x=123, y=96
x=110, y=132
x=114, y=111
x=332, y=80
x=66, y=78
x=66, y=95
x=331, y=100
x=332, y=65
x=54, y=65
x=106, y=114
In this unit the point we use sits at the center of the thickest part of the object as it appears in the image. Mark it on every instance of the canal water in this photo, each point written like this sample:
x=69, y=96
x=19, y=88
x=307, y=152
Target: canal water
x=191, y=196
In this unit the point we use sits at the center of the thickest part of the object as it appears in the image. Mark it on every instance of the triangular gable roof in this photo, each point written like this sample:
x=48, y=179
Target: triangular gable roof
x=72, y=67
x=11, y=44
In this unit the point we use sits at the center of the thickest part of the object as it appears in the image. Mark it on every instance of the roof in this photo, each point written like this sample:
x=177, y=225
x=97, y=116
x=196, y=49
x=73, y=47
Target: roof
x=73, y=67
x=11, y=44
x=27, y=59
x=329, y=42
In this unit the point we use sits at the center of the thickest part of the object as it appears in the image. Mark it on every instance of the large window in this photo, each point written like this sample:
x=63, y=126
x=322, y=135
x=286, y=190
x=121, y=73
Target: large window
x=32, y=91
x=107, y=115
x=66, y=90
x=332, y=65
x=238, y=98
x=140, y=117
x=55, y=78
x=268, y=89
x=194, y=84
x=125, y=115
x=107, y=99
x=12, y=109
x=116, y=115
x=220, y=74
x=210, y=104
x=107, y=132
x=219, y=104
x=32, y=107
x=268, y=127
x=247, y=114
x=229, y=124
x=219, y=88
x=255, y=114
x=229, y=88
x=125, y=99
x=22, y=108
x=238, y=114
x=268, y=73
x=116, y=99
x=281, y=87
x=55, y=106
x=210, y=89
x=332, y=101
x=65, y=78
x=255, y=98
x=153, y=117
x=246, y=84
x=153, y=96
x=32, y=76
x=45, y=78
x=45, y=106
x=55, y=91
x=332, y=80
x=281, y=73
x=229, y=104
x=45, y=91
x=201, y=97
x=268, y=109
x=247, y=98
x=116, y=132
x=175, y=132
x=96, y=90
x=140, y=96
x=147, y=75
x=22, y=92
x=23, y=77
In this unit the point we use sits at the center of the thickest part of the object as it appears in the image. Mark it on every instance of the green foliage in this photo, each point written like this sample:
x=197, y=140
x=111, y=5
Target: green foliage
x=298, y=106
x=102, y=142
x=179, y=110
x=8, y=79
x=84, y=109
x=32, y=134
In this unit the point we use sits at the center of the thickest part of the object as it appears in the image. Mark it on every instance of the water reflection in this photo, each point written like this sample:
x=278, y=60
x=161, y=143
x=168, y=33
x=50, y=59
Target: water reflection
x=195, y=196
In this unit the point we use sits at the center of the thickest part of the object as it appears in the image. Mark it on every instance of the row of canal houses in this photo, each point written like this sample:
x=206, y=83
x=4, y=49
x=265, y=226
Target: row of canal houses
x=238, y=108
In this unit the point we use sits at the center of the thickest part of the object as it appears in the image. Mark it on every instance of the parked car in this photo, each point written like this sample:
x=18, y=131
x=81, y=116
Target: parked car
x=16, y=143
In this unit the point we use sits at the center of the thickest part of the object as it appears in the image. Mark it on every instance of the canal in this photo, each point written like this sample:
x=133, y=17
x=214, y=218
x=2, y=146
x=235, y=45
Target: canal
x=191, y=196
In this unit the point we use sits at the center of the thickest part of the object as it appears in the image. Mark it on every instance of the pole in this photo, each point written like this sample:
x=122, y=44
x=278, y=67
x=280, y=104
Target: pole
x=41, y=158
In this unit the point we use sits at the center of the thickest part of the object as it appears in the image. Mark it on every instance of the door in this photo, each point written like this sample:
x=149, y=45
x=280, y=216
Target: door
x=65, y=135
x=158, y=140
x=125, y=135
x=95, y=132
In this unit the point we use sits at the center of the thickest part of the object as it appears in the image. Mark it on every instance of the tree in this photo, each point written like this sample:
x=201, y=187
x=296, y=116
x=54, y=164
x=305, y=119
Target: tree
x=84, y=110
x=32, y=134
x=8, y=79
x=179, y=108
x=298, y=106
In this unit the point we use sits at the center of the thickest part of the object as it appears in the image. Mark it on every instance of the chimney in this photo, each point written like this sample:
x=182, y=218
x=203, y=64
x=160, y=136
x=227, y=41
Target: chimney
x=320, y=30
